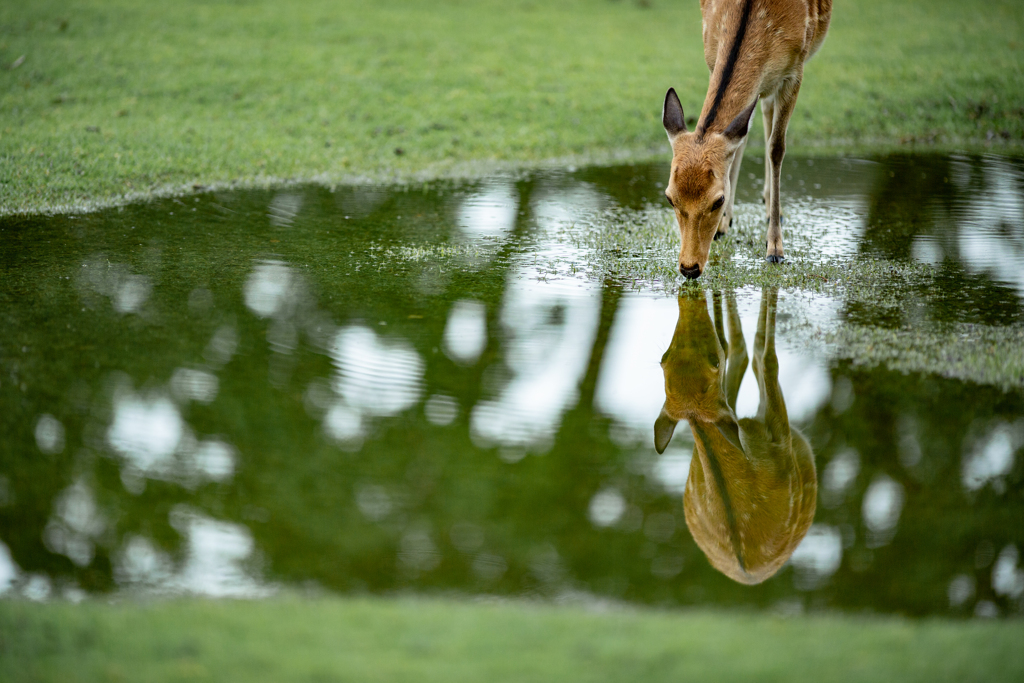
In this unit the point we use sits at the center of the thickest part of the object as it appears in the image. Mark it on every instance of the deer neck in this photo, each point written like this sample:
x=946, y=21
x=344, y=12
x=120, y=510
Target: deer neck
x=735, y=79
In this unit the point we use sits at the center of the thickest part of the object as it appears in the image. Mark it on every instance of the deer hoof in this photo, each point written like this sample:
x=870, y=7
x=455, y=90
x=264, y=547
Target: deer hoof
x=772, y=258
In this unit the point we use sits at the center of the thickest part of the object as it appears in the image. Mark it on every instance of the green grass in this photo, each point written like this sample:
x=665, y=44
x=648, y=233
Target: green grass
x=118, y=99
x=290, y=639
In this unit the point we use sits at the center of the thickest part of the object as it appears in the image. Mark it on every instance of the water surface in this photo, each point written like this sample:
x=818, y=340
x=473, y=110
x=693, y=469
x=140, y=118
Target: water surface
x=454, y=387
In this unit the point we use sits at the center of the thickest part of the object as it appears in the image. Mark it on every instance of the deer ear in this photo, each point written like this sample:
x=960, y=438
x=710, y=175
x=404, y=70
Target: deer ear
x=740, y=125
x=664, y=427
x=672, y=115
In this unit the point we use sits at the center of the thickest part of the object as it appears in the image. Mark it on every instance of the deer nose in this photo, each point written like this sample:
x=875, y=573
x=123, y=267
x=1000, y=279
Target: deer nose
x=690, y=272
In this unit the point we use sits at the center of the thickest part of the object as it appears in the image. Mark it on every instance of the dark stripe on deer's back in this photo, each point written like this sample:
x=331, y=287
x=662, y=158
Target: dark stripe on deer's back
x=730, y=65
x=719, y=477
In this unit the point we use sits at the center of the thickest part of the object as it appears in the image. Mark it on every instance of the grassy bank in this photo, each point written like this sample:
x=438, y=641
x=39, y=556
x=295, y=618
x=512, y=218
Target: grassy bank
x=430, y=640
x=102, y=100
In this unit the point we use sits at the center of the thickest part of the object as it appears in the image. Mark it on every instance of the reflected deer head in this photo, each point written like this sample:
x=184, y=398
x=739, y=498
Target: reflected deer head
x=751, y=492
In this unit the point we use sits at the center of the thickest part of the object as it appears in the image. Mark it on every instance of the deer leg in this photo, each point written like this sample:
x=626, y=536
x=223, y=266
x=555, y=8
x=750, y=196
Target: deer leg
x=767, y=116
x=734, y=175
x=786, y=101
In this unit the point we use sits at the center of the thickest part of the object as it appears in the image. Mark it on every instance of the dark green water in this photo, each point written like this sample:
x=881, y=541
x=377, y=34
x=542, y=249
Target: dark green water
x=434, y=389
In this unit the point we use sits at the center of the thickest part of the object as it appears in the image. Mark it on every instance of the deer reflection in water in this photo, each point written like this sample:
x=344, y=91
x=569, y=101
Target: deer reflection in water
x=751, y=491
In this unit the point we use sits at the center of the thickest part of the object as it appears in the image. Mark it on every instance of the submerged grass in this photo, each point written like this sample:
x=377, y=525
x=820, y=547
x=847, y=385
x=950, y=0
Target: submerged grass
x=103, y=100
x=430, y=640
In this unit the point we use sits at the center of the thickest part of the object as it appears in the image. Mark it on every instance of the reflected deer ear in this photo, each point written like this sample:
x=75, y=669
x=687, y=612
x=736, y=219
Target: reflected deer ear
x=664, y=427
x=740, y=125
x=672, y=115
x=731, y=431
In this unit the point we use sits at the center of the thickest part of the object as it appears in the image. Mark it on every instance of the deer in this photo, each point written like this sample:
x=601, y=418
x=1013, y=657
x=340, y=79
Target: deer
x=755, y=50
x=751, y=492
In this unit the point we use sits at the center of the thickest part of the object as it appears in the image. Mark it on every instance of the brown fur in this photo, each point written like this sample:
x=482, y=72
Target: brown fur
x=775, y=38
x=751, y=492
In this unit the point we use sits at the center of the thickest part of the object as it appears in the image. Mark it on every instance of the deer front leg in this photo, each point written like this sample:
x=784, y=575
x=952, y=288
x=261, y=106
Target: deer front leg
x=767, y=116
x=784, y=104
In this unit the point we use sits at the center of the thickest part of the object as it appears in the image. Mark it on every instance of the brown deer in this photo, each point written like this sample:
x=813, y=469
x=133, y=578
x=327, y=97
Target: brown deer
x=751, y=492
x=755, y=49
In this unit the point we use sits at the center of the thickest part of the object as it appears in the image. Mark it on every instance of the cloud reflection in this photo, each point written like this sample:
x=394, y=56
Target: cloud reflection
x=8, y=569
x=215, y=563
x=188, y=384
x=140, y=563
x=216, y=558
x=607, y=507
x=270, y=289
x=491, y=212
x=155, y=442
x=882, y=505
x=146, y=430
x=375, y=375
x=75, y=525
x=49, y=434
x=465, y=334
x=992, y=457
x=1007, y=577
x=818, y=556
x=549, y=330
x=127, y=291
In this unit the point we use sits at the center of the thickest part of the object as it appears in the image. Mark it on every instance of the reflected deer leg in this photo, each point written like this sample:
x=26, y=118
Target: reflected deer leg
x=776, y=418
x=737, y=361
x=716, y=302
x=757, y=362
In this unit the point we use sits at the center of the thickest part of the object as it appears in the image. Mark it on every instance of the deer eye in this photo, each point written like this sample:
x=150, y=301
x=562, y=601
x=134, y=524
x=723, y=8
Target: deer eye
x=718, y=203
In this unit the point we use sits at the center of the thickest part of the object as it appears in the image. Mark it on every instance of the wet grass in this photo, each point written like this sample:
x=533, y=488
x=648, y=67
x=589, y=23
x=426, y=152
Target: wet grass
x=640, y=246
x=975, y=353
x=428, y=640
x=105, y=101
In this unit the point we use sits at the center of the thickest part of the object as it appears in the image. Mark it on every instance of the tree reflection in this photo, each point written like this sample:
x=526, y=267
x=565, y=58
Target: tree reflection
x=964, y=216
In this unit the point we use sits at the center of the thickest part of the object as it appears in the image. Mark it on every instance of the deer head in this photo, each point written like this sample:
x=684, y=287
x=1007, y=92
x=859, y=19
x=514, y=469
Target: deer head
x=699, y=183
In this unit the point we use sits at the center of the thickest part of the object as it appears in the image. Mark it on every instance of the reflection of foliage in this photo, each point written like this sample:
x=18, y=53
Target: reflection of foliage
x=915, y=429
x=418, y=505
x=943, y=200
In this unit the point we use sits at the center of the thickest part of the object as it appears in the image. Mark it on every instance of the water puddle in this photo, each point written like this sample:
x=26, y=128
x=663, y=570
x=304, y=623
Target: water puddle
x=503, y=387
